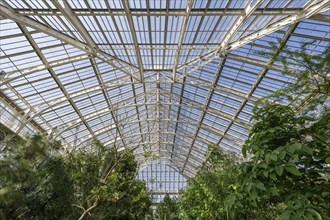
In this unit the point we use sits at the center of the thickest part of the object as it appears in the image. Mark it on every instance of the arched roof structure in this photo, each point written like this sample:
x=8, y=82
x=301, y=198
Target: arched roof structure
x=161, y=76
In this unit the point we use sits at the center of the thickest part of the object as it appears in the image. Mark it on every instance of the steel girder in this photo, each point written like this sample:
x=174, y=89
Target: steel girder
x=163, y=12
x=310, y=9
x=113, y=84
x=163, y=99
x=52, y=73
x=133, y=119
x=182, y=32
x=125, y=67
x=210, y=94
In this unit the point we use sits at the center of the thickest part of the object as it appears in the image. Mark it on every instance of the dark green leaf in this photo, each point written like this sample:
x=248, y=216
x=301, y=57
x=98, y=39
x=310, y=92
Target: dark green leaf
x=307, y=149
x=291, y=149
x=293, y=170
x=273, y=176
x=279, y=170
x=282, y=154
x=327, y=160
x=273, y=157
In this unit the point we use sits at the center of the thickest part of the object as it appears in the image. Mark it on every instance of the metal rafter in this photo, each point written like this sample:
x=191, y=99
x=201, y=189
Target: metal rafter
x=125, y=67
x=38, y=109
x=128, y=120
x=57, y=101
x=189, y=5
x=29, y=70
x=158, y=132
x=66, y=11
x=133, y=34
x=226, y=45
x=58, y=82
x=262, y=75
x=106, y=98
x=162, y=12
x=200, y=122
x=136, y=47
x=19, y=112
x=239, y=21
x=191, y=81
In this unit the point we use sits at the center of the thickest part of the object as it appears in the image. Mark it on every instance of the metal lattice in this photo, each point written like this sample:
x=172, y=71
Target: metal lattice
x=163, y=77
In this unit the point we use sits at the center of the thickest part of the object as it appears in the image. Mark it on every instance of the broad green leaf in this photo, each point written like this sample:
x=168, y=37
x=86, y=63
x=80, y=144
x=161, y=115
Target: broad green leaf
x=307, y=149
x=273, y=157
x=273, y=191
x=244, y=151
x=282, y=154
x=265, y=173
x=291, y=149
x=286, y=215
x=309, y=216
x=325, y=194
x=293, y=170
x=315, y=213
x=327, y=160
x=253, y=194
x=297, y=146
x=260, y=186
x=273, y=176
x=263, y=165
x=279, y=170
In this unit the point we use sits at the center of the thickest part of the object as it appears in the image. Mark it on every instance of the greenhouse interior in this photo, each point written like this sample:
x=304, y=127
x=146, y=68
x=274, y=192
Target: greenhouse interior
x=165, y=109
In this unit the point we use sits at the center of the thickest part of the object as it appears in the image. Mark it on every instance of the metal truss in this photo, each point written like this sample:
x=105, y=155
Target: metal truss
x=125, y=67
x=182, y=32
x=226, y=45
x=58, y=101
x=164, y=80
x=163, y=12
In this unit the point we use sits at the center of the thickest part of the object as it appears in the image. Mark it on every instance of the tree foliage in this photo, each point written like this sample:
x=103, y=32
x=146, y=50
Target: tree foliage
x=287, y=172
x=34, y=184
x=168, y=209
x=205, y=194
x=106, y=185
x=98, y=183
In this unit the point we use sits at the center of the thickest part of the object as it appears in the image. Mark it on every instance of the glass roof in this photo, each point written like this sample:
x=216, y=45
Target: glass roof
x=167, y=77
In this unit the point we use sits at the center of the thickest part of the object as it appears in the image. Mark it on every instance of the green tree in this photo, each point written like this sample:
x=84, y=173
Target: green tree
x=286, y=174
x=205, y=194
x=98, y=183
x=168, y=209
x=106, y=185
x=289, y=146
x=34, y=181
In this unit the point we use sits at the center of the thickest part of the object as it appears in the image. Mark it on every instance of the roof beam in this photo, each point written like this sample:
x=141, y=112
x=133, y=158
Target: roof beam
x=13, y=75
x=161, y=12
x=66, y=11
x=18, y=113
x=178, y=77
x=57, y=101
x=136, y=49
x=215, y=82
x=261, y=75
x=226, y=45
x=125, y=103
x=102, y=131
x=125, y=67
x=263, y=72
x=125, y=81
x=189, y=4
x=128, y=121
x=133, y=34
x=56, y=79
x=106, y=97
